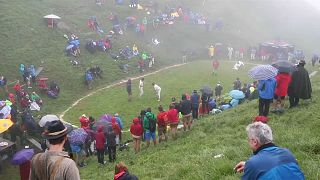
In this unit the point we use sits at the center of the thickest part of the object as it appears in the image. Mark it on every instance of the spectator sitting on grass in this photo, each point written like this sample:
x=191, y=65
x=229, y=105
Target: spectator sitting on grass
x=268, y=160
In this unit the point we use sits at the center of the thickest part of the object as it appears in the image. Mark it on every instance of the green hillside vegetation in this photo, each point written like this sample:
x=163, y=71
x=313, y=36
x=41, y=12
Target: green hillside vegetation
x=26, y=39
x=191, y=156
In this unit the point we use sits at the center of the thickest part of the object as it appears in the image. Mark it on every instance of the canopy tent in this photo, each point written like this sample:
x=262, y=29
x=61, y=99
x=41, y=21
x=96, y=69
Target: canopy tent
x=277, y=48
x=51, y=19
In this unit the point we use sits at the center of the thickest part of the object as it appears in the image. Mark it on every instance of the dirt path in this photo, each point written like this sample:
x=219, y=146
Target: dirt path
x=115, y=84
x=134, y=78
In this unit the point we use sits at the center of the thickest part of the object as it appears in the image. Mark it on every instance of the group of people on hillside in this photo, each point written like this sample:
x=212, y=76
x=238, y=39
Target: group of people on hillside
x=55, y=163
x=296, y=85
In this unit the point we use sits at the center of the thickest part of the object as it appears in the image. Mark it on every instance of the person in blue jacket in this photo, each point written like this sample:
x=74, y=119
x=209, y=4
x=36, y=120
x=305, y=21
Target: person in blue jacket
x=266, y=92
x=268, y=160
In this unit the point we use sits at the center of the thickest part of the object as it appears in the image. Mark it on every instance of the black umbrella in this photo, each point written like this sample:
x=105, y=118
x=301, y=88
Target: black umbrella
x=206, y=89
x=284, y=66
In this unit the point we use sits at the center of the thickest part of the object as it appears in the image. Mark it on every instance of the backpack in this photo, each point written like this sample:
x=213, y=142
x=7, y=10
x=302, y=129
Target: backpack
x=152, y=124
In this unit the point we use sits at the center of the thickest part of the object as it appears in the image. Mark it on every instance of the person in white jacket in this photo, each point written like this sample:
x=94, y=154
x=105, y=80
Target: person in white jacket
x=157, y=90
x=141, y=84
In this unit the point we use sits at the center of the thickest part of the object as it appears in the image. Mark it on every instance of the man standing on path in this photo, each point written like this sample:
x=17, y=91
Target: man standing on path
x=129, y=90
x=141, y=83
x=157, y=90
x=268, y=160
x=54, y=163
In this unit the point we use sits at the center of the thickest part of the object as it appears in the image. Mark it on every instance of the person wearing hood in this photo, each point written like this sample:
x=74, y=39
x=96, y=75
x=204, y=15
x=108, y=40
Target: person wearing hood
x=121, y=173
x=100, y=144
x=117, y=130
x=136, y=133
x=300, y=86
x=84, y=121
x=148, y=126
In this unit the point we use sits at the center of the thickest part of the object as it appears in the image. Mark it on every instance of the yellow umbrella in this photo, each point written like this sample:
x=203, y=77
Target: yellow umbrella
x=5, y=124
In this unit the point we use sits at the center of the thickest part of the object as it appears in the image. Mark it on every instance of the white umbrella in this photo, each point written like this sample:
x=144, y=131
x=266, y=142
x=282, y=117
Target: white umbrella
x=47, y=118
x=51, y=16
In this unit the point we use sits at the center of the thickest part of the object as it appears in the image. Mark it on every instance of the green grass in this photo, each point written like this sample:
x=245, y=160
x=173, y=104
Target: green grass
x=191, y=156
x=26, y=39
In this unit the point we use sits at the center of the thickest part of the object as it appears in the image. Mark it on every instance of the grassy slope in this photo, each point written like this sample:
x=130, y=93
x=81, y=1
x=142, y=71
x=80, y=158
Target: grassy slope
x=26, y=39
x=191, y=157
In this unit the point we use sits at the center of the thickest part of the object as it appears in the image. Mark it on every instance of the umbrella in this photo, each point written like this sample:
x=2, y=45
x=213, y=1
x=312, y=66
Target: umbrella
x=263, y=72
x=206, y=89
x=22, y=156
x=77, y=136
x=5, y=124
x=106, y=117
x=104, y=124
x=284, y=66
x=69, y=46
x=51, y=16
x=47, y=118
x=236, y=94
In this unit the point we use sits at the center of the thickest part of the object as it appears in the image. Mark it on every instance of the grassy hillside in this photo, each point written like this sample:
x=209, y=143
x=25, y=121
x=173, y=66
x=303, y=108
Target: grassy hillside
x=192, y=155
x=26, y=39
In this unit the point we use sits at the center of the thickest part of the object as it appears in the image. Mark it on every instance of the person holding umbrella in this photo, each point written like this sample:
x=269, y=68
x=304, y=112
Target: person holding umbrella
x=283, y=80
x=266, y=91
x=54, y=163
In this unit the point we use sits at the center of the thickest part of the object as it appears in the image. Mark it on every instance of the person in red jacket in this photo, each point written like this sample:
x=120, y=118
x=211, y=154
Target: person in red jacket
x=117, y=130
x=100, y=144
x=173, y=119
x=136, y=133
x=283, y=81
x=84, y=121
x=162, y=124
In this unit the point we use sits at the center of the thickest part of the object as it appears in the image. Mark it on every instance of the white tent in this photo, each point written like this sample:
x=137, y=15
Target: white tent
x=51, y=16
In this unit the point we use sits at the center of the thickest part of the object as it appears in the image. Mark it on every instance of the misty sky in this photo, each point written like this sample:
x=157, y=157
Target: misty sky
x=314, y=3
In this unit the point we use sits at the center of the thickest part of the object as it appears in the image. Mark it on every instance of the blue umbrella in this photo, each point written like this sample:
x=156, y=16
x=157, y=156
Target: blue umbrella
x=263, y=72
x=236, y=94
x=77, y=136
x=22, y=156
x=69, y=46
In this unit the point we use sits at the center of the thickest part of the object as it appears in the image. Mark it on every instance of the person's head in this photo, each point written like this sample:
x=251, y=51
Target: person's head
x=120, y=167
x=238, y=79
x=149, y=109
x=195, y=91
x=91, y=119
x=258, y=134
x=160, y=108
x=56, y=132
x=173, y=99
x=183, y=97
x=142, y=79
x=153, y=84
x=171, y=106
x=302, y=63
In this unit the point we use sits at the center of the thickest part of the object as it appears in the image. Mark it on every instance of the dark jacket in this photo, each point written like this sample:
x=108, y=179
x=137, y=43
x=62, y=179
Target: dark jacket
x=300, y=85
x=124, y=175
x=185, y=107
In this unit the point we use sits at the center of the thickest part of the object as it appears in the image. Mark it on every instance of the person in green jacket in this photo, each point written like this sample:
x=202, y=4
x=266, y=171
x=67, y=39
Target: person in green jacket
x=149, y=126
